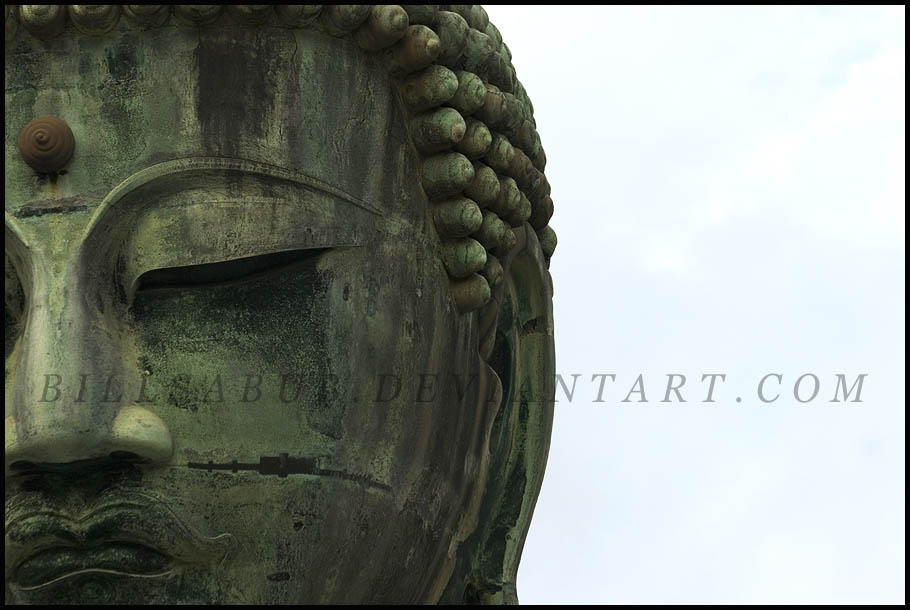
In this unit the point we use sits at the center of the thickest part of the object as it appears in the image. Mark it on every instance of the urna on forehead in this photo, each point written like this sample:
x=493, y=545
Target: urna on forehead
x=287, y=85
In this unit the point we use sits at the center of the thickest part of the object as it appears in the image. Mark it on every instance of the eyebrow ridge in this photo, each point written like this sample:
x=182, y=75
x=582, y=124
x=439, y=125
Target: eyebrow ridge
x=175, y=167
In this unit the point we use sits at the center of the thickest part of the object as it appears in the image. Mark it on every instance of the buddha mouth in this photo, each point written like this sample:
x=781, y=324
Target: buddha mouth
x=114, y=558
x=139, y=538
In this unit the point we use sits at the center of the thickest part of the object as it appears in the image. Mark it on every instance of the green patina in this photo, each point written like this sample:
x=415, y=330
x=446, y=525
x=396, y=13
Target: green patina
x=267, y=193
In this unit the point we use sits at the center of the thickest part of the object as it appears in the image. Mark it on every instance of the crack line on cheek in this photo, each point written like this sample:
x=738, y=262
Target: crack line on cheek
x=284, y=465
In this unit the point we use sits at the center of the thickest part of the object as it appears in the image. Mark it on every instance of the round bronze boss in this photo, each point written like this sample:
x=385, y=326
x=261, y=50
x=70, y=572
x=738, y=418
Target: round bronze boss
x=47, y=144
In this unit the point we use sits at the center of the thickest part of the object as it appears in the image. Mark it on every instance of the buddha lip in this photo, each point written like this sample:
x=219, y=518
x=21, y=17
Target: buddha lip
x=113, y=557
x=138, y=537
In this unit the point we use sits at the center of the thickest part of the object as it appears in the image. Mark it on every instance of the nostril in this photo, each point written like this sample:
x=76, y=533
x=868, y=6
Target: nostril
x=115, y=461
x=125, y=456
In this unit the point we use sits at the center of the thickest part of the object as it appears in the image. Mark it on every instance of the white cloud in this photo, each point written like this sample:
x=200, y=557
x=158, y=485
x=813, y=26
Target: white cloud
x=837, y=173
x=729, y=190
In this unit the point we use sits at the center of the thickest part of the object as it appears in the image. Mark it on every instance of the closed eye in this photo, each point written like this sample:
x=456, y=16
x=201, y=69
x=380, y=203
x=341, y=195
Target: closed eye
x=224, y=273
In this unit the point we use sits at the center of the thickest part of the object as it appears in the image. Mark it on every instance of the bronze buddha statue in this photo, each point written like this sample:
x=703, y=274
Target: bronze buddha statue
x=224, y=226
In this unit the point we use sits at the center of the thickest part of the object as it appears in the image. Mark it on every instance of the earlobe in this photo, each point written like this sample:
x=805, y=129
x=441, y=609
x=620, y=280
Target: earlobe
x=519, y=340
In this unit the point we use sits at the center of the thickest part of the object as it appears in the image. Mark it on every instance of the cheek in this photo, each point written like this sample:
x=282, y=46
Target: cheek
x=293, y=362
x=336, y=328
x=216, y=358
x=306, y=540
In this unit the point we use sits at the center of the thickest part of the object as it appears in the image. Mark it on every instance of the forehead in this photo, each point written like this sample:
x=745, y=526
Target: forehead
x=293, y=99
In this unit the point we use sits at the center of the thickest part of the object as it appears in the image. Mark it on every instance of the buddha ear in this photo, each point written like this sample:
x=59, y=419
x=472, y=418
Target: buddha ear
x=522, y=354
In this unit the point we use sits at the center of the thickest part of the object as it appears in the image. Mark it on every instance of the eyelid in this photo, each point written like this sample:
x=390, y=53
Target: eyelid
x=200, y=208
x=223, y=272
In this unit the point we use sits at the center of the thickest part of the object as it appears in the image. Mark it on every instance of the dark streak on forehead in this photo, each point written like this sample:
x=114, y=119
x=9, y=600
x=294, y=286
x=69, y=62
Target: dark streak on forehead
x=235, y=87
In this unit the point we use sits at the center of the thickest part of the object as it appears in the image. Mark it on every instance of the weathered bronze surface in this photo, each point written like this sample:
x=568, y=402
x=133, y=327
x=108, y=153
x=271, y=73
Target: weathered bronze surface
x=282, y=331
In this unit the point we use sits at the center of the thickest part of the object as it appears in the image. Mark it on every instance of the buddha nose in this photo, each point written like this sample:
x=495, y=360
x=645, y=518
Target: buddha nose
x=68, y=339
x=135, y=433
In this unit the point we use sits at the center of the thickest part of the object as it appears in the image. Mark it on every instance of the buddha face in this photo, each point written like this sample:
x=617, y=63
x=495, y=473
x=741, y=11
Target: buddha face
x=207, y=315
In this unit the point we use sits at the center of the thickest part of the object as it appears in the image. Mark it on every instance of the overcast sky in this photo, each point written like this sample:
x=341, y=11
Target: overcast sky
x=729, y=192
